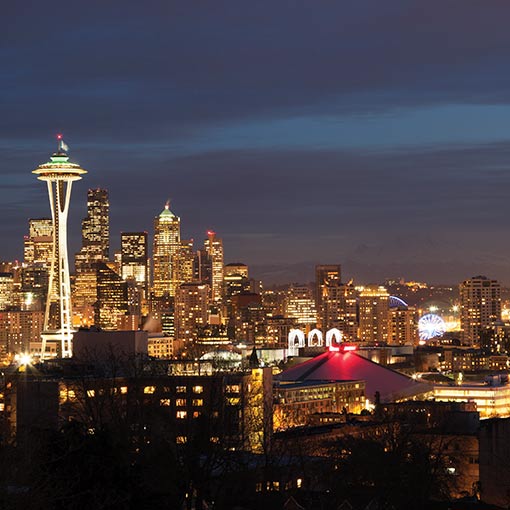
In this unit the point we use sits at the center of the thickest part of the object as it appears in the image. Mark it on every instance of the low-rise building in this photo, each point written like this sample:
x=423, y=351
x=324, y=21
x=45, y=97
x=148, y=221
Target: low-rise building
x=295, y=402
x=492, y=399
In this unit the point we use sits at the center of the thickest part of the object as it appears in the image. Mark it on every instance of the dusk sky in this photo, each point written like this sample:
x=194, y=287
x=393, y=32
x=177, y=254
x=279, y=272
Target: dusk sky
x=368, y=133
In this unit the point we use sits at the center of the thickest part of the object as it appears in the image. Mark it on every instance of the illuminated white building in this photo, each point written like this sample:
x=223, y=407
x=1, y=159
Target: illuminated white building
x=59, y=174
x=167, y=242
x=296, y=339
x=491, y=401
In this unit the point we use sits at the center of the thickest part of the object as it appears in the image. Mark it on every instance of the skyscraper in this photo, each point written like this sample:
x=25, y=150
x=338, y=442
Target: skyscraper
x=191, y=308
x=300, y=306
x=214, y=248
x=59, y=174
x=403, y=329
x=480, y=307
x=374, y=314
x=95, y=231
x=6, y=290
x=325, y=276
x=235, y=281
x=202, y=267
x=339, y=309
x=134, y=269
x=38, y=244
x=135, y=258
x=37, y=254
x=112, y=297
x=182, y=263
x=167, y=241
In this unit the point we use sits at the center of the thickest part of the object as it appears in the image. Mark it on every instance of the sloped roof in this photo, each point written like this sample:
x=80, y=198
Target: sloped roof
x=349, y=366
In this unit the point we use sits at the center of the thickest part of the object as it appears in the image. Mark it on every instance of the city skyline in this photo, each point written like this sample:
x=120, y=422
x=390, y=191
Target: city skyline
x=374, y=136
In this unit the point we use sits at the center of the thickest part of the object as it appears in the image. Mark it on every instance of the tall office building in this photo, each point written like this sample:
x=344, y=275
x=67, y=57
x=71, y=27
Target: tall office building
x=325, y=276
x=480, y=307
x=59, y=174
x=202, y=267
x=182, y=263
x=95, y=231
x=37, y=255
x=403, y=325
x=339, y=309
x=6, y=290
x=191, y=310
x=134, y=269
x=248, y=316
x=112, y=297
x=300, y=305
x=235, y=282
x=135, y=258
x=167, y=242
x=34, y=286
x=214, y=248
x=84, y=297
x=374, y=314
x=38, y=244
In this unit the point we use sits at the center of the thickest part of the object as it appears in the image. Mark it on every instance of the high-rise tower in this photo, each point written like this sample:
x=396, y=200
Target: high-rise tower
x=325, y=276
x=480, y=307
x=59, y=174
x=167, y=242
x=38, y=244
x=374, y=313
x=214, y=248
x=95, y=231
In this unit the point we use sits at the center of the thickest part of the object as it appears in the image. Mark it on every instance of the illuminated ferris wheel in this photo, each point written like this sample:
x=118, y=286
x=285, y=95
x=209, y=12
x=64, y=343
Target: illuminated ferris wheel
x=431, y=326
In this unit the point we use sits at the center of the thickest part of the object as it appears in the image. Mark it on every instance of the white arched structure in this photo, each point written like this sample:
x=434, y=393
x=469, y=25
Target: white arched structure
x=315, y=333
x=333, y=334
x=295, y=334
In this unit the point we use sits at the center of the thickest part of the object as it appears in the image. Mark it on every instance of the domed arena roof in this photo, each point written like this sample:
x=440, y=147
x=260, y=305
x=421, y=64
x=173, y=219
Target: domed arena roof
x=349, y=366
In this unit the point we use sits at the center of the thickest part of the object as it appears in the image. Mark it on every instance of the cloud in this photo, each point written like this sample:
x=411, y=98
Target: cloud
x=310, y=128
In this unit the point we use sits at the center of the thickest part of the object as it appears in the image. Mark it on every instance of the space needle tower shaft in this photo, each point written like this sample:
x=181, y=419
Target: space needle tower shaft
x=59, y=174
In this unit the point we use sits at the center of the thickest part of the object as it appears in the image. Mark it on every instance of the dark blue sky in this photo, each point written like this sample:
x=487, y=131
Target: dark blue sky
x=375, y=134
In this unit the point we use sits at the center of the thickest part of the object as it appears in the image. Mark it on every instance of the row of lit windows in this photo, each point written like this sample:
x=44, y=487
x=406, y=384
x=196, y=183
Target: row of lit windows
x=149, y=390
x=275, y=485
x=70, y=394
x=184, y=439
x=182, y=415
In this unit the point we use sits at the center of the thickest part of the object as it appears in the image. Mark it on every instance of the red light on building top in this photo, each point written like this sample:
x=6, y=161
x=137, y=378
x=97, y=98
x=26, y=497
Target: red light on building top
x=342, y=348
x=59, y=137
x=211, y=233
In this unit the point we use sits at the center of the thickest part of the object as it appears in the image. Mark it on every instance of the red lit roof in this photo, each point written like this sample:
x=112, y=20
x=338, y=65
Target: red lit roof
x=349, y=366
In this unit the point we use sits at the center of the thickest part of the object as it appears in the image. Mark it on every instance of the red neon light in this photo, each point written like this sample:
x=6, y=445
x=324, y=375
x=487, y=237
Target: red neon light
x=347, y=348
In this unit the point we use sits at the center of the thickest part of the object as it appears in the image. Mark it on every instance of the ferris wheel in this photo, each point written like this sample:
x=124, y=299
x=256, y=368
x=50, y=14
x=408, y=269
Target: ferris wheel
x=431, y=326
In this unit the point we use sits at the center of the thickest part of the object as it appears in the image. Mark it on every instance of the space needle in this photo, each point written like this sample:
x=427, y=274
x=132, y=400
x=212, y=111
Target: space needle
x=59, y=174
